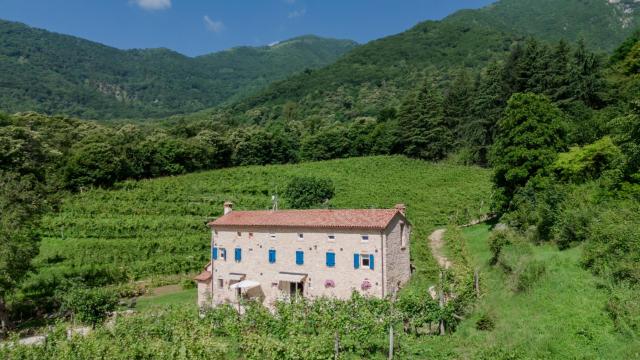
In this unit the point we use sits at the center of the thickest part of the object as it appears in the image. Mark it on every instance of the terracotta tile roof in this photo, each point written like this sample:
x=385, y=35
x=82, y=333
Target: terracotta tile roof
x=204, y=276
x=355, y=219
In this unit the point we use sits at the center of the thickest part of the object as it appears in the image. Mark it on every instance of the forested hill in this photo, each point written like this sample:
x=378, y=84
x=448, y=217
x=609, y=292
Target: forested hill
x=373, y=76
x=59, y=74
x=602, y=24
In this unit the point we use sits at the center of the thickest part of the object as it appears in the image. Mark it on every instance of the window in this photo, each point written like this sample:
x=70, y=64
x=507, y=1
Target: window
x=250, y=235
x=331, y=259
x=403, y=239
x=331, y=237
x=365, y=238
x=272, y=236
x=300, y=236
x=238, y=254
x=219, y=252
x=239, y=233
x=272, y=256
x=220, y=283
x=299, y=257
x=364, y=261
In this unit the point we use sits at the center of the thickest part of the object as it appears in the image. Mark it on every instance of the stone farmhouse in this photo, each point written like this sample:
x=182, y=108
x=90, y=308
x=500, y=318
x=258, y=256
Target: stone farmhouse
x=276, y=255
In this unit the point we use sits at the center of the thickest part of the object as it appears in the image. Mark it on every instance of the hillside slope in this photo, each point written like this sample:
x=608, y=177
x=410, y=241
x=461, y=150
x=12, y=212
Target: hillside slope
x=54, y=73
x=157, y=227
x=376, y=75
x=602, y=24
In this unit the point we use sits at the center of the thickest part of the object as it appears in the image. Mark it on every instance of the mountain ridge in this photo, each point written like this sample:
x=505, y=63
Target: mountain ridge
x=83, y=78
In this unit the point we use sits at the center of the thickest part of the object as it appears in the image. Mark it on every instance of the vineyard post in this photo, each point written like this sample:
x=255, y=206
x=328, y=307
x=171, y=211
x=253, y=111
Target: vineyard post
x=441, y=303
x=476, y=282
x=390, y=342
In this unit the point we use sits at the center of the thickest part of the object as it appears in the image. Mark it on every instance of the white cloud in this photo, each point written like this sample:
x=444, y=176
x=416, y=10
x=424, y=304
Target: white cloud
x=153, y=4
x=274, y=43
x=212, y=25
x=297, y=13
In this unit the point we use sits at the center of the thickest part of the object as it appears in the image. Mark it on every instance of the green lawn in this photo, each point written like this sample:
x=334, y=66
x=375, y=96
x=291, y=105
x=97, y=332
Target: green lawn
x=183, y=298
x=562, y=316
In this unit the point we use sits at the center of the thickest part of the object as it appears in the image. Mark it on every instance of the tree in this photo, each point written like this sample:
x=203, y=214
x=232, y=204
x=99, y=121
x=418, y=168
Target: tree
x=487, y=108
x=93, y=164
x=423, y=130
x=90, y=306
x=586, y=163
x=306, y=192
x=458, y=100
x=21, y=204
x=24, y=166
x=528, y=140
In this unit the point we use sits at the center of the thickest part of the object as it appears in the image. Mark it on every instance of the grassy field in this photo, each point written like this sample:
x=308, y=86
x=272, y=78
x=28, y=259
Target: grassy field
x=562, y=317
x=181, y=298
x=157, y=227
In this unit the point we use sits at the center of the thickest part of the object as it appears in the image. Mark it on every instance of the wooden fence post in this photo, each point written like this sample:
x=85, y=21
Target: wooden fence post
x=476, y=282
x=391, y=342
x=441, y=302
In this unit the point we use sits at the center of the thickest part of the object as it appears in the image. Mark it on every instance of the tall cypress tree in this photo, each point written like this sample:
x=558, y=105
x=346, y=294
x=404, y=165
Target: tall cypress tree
x=457, y=101
x=486, y=109
x=423, y=130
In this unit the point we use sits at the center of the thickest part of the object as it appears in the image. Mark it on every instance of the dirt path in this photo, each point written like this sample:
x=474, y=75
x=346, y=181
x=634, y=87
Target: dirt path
x=436, y=243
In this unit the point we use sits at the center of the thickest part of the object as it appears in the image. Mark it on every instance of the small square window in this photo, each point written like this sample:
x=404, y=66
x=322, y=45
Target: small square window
x=331, y=237
x=239, y=233
x=365, y=261
x=365, y=238
x=300, y=236
x=220, y=283
x=272, y=236
x=250, y=235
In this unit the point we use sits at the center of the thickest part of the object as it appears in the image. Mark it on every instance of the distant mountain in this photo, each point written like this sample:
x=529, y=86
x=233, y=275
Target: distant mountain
x=376, y=75
x=602, y=24
x=53, y=73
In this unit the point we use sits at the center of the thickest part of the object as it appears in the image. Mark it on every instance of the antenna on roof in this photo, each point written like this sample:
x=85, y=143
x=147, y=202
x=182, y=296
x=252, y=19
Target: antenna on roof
x=274, y=201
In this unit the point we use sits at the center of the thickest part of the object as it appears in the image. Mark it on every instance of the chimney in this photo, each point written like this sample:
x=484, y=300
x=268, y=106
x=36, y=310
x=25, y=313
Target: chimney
x=402, y=208
x=228, y=207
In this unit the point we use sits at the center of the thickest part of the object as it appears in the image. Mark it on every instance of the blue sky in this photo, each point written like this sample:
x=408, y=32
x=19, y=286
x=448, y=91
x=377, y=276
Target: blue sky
x=196, y=27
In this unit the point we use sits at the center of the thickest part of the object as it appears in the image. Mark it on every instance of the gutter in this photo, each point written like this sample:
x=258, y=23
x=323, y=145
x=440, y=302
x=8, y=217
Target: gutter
x=382, y=267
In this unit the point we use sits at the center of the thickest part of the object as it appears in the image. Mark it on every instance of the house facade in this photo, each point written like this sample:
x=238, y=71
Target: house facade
x=276, y=255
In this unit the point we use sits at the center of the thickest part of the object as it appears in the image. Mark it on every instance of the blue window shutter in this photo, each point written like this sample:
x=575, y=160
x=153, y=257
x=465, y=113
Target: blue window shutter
x=299, y=257
x=272, y=256
x=331, y=259
x=215, y=253
x=371, y=261
x=356, y=261
x=238, y=254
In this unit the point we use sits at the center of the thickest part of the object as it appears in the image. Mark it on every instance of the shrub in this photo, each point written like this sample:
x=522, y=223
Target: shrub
x=528, y=273
x=572, y=225
x=497, y=241
x=624, y=309
x=485, y=322
x=306, y=192
x=90, y=306
x=613, y=246
x=187, y=284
